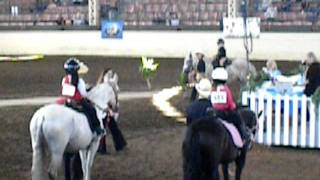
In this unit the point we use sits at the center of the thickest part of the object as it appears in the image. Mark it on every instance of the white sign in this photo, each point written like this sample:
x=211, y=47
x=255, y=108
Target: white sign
x=218, y=97
x=234, y=27
x=68, y=90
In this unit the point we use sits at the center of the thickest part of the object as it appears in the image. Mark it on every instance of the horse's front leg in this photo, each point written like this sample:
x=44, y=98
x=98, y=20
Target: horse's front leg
x=225, y=170
x=240, y=162
x=91, y=152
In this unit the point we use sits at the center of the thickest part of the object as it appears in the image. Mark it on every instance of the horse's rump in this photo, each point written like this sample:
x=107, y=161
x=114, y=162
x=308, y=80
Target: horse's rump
x=61, y=122
x=200, y=152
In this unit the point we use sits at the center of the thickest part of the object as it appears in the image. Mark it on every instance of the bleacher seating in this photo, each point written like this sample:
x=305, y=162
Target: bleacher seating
x=158, y=12
x=42, y=14
x=189, y=12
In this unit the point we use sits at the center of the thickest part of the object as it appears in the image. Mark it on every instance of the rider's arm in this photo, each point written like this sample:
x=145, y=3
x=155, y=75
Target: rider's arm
x=230, y=100
x=82, y=87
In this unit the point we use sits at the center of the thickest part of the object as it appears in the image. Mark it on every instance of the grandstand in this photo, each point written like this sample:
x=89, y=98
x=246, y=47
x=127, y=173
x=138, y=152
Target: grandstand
x=145, y=14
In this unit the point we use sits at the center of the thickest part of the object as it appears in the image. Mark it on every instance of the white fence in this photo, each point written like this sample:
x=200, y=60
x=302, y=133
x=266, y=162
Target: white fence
x=286, y=120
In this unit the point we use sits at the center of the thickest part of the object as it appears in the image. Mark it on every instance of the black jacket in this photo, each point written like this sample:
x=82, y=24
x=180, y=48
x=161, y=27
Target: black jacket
x=198, y=109
x=201, y=67
x=313, y=78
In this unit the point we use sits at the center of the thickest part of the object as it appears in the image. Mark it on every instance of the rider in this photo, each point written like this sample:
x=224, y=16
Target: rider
x=220, y=60
x=223, y=102
x=74, y=89
x=201, y=107
x=200, y=70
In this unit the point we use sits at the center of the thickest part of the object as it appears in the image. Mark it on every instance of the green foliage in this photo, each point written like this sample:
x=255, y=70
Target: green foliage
x=256, y=81
x=183, y=80
x=299, y=70
x=316, y=97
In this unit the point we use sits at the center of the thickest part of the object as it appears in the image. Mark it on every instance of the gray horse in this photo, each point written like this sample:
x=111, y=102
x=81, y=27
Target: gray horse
x=62, y=129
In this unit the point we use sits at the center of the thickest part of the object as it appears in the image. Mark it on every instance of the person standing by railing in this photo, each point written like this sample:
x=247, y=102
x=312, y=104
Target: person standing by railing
x=312, y=74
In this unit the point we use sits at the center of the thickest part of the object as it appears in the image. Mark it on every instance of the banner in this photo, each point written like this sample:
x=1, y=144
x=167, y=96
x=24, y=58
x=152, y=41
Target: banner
x=112, y=29
x=234, y=27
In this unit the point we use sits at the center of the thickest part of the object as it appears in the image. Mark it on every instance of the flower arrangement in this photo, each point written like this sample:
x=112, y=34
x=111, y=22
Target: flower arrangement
x=148, y=69
x=256, y=81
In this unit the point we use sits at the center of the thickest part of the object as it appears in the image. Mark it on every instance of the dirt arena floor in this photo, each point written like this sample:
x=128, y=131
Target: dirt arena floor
x=154, y=141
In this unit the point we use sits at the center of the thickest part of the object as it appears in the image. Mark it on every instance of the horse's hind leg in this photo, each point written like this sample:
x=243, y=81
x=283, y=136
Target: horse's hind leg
x=56, y=161
x=57, y=147
x=37, y=170
x=215, y=173
x=225, y=170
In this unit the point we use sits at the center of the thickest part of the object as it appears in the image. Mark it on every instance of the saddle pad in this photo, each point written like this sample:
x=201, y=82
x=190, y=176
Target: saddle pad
x=61, y=100
x=234, y=133
x=73, y=105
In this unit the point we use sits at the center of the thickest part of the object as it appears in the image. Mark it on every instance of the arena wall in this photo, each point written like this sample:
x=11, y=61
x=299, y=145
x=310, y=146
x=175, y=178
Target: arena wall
x=280, y=46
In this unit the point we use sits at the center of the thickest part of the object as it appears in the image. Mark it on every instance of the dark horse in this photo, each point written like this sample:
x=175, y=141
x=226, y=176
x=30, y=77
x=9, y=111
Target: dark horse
x=208, y=144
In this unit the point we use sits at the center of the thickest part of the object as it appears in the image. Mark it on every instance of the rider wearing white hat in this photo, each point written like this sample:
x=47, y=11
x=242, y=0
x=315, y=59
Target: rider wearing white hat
x=202, y=106
x=221, y=96
x=223, y=102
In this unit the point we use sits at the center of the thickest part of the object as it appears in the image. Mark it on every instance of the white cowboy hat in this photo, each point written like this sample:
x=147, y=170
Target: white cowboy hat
x=83, y=68
x=204, y=88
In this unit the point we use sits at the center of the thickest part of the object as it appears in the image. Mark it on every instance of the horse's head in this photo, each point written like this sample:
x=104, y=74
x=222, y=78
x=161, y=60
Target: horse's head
x=105, y=94
x=112, y=79
x=250, y=119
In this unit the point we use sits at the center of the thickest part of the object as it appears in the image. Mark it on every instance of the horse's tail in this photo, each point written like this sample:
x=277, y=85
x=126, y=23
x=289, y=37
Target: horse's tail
x=37, y=143
x=192, y=158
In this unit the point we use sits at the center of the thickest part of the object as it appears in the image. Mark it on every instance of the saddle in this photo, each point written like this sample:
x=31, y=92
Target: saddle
x=237, y=140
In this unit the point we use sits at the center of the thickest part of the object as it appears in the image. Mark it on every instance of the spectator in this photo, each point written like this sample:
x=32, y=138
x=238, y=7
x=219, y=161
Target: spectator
x=78, y=19
x=200, y=70
x=14, y=11
x=220, y=43
x=221, y=53
x=174, y=20
x=272, y=69
x=304, y=6
x=221, y=60
x=312, y=74
x=264, y=5
x=201, y=66
x=286, y=5
x=271, y=13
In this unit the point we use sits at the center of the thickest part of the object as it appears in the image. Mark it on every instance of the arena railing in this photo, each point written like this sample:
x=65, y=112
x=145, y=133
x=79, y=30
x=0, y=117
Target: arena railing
x=287, y=120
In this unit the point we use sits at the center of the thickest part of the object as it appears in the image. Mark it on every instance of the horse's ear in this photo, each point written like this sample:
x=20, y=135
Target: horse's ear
x=115, y=78
x=114, y=81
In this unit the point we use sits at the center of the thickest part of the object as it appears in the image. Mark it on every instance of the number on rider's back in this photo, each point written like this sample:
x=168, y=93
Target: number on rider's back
x=218, y=97
x=68, y=90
